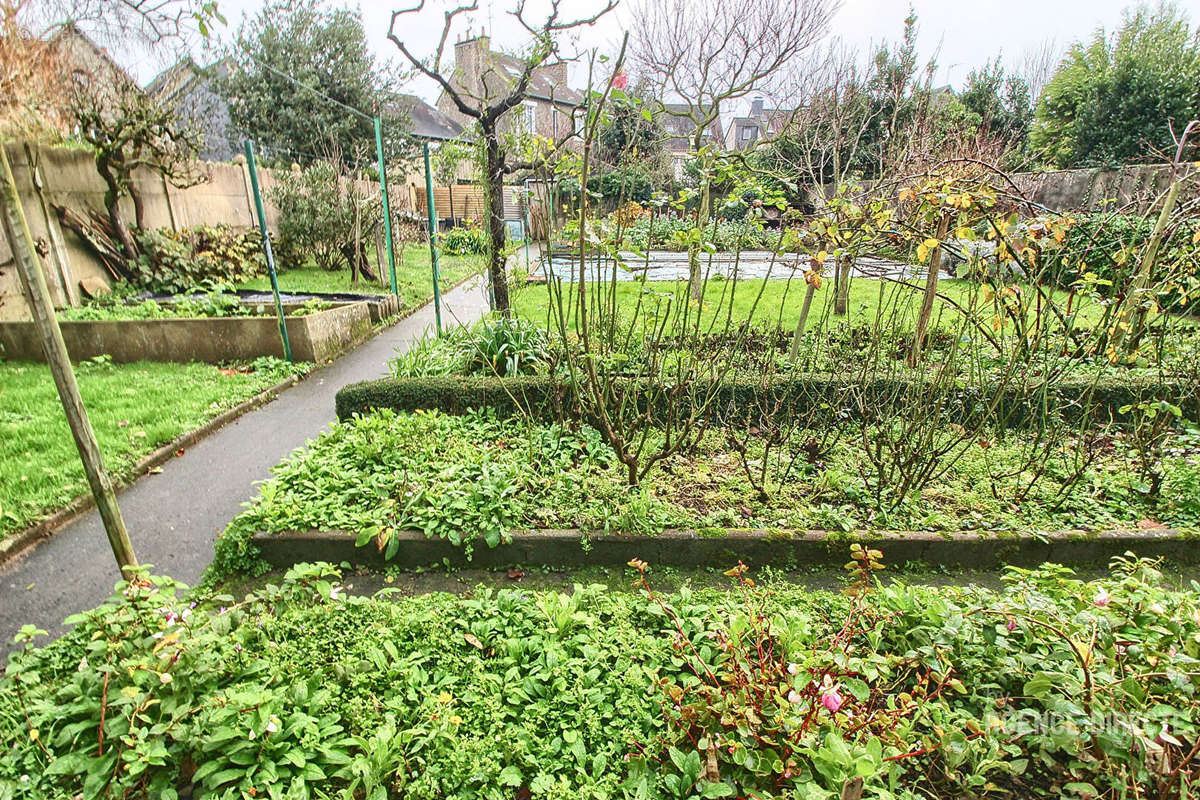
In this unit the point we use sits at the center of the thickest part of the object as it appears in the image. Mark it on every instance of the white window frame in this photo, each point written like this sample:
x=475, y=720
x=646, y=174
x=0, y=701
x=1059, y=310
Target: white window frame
x=531, y=117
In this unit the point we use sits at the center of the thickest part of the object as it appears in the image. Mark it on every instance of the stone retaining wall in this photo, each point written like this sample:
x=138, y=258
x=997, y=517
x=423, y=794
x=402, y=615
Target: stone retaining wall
x=317, y=337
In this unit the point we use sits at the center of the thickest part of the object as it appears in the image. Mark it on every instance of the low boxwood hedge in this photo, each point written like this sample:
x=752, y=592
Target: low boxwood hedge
x=542, y=396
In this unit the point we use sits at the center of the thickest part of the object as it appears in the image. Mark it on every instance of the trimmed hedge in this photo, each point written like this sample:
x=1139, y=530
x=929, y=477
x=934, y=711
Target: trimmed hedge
x=541, y=396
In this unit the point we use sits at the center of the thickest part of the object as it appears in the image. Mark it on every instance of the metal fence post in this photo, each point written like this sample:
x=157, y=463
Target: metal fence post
x=387, y=209
x=433, y=253
x=266, y=240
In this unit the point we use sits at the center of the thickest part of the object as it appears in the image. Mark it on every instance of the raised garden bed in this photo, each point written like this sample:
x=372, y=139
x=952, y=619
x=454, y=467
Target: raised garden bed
x=720, y=548
x=317, y=336
x=422, y=487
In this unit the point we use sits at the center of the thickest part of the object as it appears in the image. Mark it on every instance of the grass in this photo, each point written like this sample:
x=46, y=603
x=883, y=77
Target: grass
x=414, y=278
x=780, y=301
x=134, y=408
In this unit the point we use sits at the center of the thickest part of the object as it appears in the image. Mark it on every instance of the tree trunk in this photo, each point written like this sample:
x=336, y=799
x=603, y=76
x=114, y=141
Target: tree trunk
x=794, y=350
x=1141, y=279
x=139, y=208
x=112, y=204
x=841, y=302
x=931, y=284
x=695, y=281
x=494, y=187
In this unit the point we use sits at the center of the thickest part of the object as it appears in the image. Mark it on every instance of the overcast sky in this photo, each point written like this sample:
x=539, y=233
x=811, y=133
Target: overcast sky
x=962, y=33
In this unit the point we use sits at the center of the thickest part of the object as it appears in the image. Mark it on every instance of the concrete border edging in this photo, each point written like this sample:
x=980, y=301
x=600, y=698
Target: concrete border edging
x=16, y=544
x=690, y=548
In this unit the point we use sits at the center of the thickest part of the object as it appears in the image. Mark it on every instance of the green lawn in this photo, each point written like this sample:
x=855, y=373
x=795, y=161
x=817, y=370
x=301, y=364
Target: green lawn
x=413, y=277
x=134, y=408
x=781, y=300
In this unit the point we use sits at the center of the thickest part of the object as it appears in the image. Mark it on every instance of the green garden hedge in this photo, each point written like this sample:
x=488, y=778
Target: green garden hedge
x=542, y=396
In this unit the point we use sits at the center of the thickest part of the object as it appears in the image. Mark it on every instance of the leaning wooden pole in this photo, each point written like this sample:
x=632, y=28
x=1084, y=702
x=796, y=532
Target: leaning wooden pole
x=34, y=284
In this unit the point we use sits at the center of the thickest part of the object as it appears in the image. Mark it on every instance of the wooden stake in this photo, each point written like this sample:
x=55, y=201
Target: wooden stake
x=34, y=284
x=931, y=285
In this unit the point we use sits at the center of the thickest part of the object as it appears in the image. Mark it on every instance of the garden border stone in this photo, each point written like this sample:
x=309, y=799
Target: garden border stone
x=318, y=337
x=19, y=542
x=723, y=548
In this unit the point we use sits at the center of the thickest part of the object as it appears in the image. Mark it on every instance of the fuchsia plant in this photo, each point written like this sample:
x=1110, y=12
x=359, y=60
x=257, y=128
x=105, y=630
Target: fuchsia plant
x=757, y=712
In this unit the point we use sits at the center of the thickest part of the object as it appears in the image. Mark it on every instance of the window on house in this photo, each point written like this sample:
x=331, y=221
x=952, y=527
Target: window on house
x=749, y=133
x=531, y=118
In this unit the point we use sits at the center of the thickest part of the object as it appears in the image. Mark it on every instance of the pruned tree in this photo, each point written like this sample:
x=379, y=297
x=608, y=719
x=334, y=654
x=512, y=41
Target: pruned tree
x=488, y=97
x=128, y=131
x=709, y=53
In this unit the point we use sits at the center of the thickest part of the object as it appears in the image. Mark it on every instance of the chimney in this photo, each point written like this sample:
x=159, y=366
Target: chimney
x=470, y=57
x=756, y=107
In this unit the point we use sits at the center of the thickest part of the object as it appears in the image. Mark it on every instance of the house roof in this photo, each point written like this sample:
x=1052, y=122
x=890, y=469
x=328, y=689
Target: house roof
x=68, y=36
x=541, y=87
x=677, y=121
x=425, y=121
x=181, y=76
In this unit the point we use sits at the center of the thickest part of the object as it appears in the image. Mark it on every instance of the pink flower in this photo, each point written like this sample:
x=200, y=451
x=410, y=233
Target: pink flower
x=620, y=81
x=794, y=697
x=831, y=699
x=793, y=669
x=1102, y=598
x=1011, y=624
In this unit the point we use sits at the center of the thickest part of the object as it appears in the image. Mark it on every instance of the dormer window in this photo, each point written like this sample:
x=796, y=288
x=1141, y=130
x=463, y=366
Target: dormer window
x=749, y=133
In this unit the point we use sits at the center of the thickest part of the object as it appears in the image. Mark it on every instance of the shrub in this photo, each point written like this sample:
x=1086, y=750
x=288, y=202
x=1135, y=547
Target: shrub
x=465, y=240
x=541, y=394
x=197, y=258
x=1109, y=246
x=319, y=215
x=496, y=347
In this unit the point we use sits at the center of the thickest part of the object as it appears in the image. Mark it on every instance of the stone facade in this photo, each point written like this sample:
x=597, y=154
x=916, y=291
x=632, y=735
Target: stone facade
x=483, y=75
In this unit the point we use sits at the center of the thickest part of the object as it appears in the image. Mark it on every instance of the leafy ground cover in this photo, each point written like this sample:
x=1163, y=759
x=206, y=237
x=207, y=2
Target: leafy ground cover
x=134, y=408
x=1049, y=687
x=472, y=478
x=413, y=277
x=116, y=307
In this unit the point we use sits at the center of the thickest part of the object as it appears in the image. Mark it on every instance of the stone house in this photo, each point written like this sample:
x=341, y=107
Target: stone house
x=761, y=123
x=678, y=120
x=193, y=92
x=483, y=75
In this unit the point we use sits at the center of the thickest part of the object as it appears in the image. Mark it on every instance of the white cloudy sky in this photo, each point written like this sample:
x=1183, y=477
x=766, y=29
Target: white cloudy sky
x=963, y=33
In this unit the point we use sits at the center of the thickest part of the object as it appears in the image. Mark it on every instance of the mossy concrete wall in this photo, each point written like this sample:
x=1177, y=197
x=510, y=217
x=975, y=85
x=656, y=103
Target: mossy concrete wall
x=317, y=337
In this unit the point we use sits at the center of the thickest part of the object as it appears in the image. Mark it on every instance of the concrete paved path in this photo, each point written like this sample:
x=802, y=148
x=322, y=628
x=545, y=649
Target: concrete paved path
x=174, y=516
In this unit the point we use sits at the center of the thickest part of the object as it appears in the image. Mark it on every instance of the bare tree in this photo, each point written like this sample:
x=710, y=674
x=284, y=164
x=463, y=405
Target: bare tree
x=488, y=96
x=33, y=96
x=709, y=53
x=120, y=22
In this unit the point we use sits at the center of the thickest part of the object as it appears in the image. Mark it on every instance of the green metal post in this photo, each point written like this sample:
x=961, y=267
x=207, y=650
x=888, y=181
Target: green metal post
x=433, y=253
x=266, y=240
x=387, y=210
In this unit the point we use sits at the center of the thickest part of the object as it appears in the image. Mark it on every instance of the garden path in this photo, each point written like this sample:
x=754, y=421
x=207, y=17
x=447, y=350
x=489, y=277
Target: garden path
x=174, y=516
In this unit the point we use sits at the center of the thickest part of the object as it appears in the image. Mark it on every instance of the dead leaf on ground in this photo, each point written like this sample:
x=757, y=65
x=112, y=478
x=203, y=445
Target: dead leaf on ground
x=1150, y=525
x=473, y=641
x=516, y=573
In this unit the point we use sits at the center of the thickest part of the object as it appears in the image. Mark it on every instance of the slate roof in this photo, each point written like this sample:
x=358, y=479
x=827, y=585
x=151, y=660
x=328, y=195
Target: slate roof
x=425, y=121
